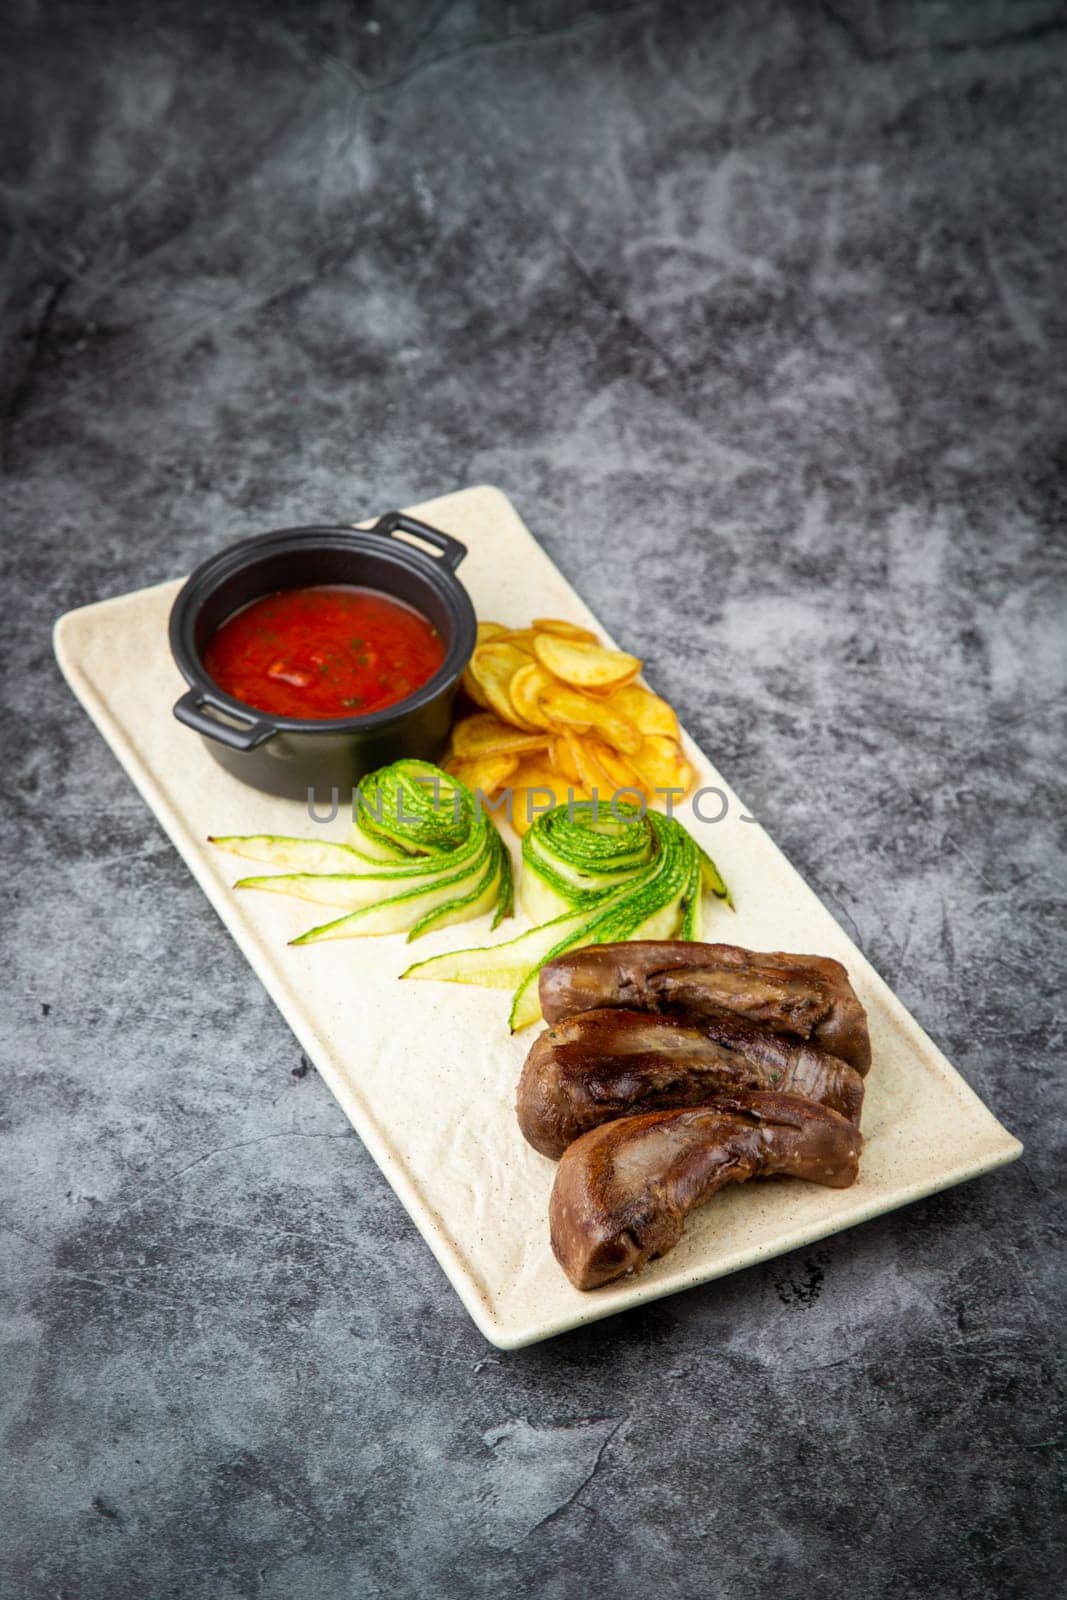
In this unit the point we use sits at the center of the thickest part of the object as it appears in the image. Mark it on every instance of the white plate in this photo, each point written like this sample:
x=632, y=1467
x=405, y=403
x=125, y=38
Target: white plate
x=426, y=1072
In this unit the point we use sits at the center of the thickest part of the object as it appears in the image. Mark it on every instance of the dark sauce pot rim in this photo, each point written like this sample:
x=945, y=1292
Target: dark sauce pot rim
x=379, y=539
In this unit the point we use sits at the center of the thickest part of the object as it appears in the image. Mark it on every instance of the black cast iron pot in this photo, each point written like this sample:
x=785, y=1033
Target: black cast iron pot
x=306, y=758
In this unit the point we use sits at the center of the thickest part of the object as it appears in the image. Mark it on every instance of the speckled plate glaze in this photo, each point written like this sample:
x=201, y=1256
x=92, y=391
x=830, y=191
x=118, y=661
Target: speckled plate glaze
x=426, y=1072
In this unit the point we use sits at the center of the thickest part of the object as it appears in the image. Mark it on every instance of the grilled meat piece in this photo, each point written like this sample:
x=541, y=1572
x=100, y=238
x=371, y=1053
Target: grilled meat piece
x=623, y=1190
x=599, y=1065
x=802, y=997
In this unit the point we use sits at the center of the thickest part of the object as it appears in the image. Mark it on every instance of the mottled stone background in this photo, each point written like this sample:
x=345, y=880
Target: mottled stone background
x=757, y=311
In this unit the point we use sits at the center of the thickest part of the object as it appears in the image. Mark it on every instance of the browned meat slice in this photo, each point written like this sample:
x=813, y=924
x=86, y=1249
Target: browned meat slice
x=623, y=1190
x=803, y=997
x=611, y=1063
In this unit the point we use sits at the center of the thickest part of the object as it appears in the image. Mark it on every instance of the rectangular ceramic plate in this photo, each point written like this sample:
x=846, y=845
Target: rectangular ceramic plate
x=426, y=1072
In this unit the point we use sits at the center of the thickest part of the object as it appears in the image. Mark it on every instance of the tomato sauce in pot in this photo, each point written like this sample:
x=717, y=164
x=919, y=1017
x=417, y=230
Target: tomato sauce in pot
x=331, y=650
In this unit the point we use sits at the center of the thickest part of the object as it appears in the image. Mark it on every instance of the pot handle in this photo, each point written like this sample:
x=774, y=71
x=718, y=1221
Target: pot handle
x=452, y=551
x=192, y=710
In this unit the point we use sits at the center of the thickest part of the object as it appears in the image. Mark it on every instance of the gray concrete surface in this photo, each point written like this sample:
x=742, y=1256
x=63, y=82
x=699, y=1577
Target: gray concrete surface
x=757, y=311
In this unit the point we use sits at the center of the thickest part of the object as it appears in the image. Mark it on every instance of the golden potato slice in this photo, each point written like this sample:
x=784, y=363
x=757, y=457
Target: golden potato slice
x=647, y=712
x=560, y=703
x=589, y=775
x=533, y=771
x=491, y=630
x=521, y=817
x=563, y=630
x=561, y=711
x=493, y=665
x=539, y=783
x=619, y=770
x=661, y=764
x=487, y=773
x=565, y=756
x=485, y=734
x=522, y=639
x=583, y=665
x=602, y=769
x=526, y=689
x=471, y=686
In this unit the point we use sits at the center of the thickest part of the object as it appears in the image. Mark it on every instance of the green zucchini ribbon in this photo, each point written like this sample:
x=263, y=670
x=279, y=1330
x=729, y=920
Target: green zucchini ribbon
x=422, y=855
x=590, y=877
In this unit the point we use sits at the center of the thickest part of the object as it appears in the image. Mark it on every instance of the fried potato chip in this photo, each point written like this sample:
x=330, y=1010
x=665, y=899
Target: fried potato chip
x=484, y=734
x=563, y=630
x=588, y=773
x=619, y=770
x=522, y=813
x=493, y=665
x=533, y=771
x=647, y=712
x=487, y=773
x=561, y=703
x=469, y=685
x=591, y=774
x=560, y=711
x=522, y=639
x=473, y=689
x=491, y=630
x=564, y=756
x=519, y=812
x=583, y=665
x=661, y=764
x=526, y=688
x=535, y=790
x=487, y=631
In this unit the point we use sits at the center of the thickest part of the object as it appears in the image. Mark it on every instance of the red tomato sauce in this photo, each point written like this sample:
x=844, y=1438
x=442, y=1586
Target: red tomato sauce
x=328, y=651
